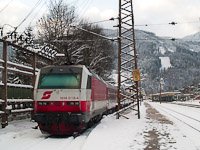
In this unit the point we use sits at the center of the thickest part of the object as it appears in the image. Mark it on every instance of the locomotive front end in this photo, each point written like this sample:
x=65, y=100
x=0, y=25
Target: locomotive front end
x=62, y=99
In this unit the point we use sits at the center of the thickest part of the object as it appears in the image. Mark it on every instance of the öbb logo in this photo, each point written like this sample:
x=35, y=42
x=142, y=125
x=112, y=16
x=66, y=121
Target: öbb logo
x=47, y=94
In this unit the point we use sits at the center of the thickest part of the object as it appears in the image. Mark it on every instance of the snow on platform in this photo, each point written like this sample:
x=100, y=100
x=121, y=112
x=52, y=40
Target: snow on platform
x=152, y=130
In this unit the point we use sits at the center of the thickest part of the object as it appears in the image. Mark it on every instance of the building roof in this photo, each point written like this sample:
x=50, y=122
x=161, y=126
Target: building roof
x=167, y=93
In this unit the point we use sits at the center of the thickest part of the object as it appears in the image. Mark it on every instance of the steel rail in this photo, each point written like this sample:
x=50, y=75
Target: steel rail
x=181, y=114
x=188, y=105
x=180, y=119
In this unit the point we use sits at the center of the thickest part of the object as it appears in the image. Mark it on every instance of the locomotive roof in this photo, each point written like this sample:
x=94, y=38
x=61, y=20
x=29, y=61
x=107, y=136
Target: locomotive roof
x=86, y=69
x=65, y=67
x=77, y=66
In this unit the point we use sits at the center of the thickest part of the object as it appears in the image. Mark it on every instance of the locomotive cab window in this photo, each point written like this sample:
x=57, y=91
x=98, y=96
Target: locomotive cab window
x=89, y=82
x=60, y=81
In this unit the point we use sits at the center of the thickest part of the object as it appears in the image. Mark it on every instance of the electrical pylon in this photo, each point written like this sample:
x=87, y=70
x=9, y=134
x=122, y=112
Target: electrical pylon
x=128, y=73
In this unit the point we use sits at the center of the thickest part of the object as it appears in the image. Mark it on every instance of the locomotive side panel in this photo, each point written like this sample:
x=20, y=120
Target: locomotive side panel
x=112, y=98
x=99, y=101
x=85, y=94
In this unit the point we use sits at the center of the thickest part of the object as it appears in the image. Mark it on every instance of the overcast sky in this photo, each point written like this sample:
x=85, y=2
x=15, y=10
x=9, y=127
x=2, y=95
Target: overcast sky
x=156, y=13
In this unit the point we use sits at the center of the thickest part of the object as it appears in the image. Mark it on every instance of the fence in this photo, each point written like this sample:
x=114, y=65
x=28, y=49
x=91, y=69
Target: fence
x=17, y=99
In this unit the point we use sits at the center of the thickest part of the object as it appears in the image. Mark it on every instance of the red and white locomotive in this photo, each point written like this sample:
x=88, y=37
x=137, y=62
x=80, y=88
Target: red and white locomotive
x=68, y=98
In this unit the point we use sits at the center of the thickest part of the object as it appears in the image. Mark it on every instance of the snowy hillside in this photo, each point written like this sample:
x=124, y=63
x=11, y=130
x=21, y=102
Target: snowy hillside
x=176, y=61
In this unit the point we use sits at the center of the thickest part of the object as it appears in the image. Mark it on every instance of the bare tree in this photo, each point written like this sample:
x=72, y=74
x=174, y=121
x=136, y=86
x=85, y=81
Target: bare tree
x=92, y=50
x=55, y=25
x=79, y=46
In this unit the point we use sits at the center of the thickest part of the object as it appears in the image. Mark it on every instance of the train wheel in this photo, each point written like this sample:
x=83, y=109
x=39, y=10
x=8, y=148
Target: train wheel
x=76, y=134
x=98, y=118
x=44, y=132
x=90, y=123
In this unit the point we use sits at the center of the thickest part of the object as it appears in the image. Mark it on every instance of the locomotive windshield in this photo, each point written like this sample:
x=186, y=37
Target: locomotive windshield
x=60, y=81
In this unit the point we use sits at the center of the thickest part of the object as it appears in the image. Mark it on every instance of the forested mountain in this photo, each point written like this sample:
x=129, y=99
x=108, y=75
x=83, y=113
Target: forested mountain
x=177, y=61
x=183, y=57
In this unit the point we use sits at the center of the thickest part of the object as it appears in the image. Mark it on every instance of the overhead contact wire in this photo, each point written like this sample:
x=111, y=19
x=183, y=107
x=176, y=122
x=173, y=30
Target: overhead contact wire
x=36, y=5
x=37, y=12
x=171, y=23
x=6, y=6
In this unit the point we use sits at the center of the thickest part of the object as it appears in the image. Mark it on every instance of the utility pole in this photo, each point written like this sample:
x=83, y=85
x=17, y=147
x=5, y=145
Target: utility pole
x=127, y=57
x=4, y=89
x=119, y=62
x=160, y=92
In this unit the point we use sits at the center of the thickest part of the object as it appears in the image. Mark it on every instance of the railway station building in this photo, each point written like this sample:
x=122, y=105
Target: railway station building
x=166, y=96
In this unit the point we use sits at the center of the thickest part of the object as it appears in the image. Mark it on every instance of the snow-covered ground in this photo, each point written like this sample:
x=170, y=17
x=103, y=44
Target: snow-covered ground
x=113, y=134
x=186, y=121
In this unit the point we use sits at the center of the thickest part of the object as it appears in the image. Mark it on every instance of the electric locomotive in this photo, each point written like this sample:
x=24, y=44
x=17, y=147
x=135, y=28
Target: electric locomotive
x=69, y=98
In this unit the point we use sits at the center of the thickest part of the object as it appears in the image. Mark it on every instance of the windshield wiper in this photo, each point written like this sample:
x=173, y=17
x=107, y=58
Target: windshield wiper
x=43, y=75
x=74, y=74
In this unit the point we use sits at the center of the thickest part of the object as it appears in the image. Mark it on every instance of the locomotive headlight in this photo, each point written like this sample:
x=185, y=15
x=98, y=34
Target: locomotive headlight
x=45, y=103
x=76, y=103
x=73, y=103
x=39, y=103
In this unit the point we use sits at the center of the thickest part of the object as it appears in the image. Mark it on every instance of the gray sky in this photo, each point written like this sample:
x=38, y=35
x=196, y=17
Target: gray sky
x=156, y=13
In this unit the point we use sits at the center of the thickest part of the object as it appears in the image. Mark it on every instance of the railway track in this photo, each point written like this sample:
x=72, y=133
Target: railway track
x=191, y=122
x=32, y=139
x=188, y=105
x=65, y=142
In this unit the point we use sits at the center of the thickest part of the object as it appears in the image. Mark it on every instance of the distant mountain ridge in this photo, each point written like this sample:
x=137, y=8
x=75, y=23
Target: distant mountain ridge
x=195, y=37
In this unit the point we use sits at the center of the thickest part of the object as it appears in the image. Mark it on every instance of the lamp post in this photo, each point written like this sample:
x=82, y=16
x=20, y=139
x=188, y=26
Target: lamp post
x=160, y=92
x=161, y=82
x=140, y=85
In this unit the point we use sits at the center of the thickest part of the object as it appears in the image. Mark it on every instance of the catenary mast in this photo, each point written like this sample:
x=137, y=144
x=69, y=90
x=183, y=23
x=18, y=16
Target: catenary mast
x=128, y=73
